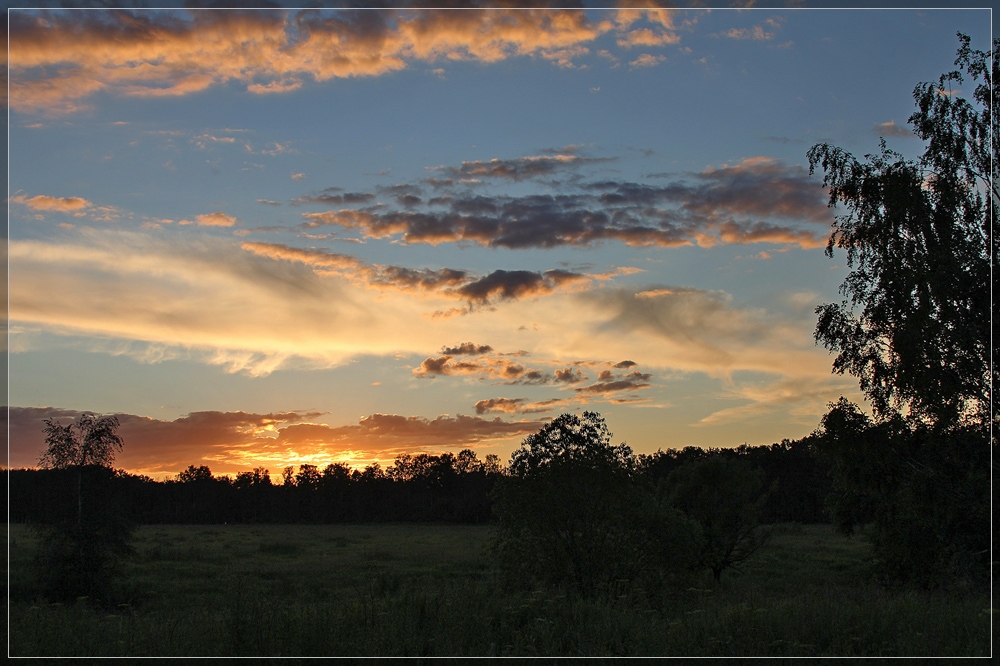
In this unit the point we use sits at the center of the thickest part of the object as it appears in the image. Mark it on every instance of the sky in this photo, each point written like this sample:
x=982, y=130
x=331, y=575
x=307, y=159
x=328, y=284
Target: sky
x=280, y=237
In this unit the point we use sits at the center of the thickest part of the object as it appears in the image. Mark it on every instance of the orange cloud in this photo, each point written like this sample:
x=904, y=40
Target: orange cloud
x=57, y=59
x=230, y=442
x=215, y=219
x=59, y=204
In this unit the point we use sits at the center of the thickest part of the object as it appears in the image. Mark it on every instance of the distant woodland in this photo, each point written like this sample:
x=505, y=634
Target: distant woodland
x=422, y=488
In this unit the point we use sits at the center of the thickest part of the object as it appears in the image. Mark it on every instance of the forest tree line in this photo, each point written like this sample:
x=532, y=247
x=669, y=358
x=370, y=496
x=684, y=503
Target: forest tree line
x=420, y=488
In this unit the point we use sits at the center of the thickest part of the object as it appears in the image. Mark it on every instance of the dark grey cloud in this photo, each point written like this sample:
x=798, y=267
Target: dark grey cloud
x=500, y=285
x=335, y=196
x=511, y=285
x=608, y=383
x=569, y=375
x=757, y=200
x=519, y=168
x=468, y=349
x=517, y=405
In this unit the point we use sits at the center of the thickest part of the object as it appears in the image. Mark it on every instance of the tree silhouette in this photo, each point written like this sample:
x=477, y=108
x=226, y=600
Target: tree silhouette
x=78, y=549
x=571, y=509
x=918, y=238
x=91, y=440
x=917, y=234
x=723, y=497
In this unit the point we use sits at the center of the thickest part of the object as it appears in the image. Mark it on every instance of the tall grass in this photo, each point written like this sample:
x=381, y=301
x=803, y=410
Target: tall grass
x=406, y=590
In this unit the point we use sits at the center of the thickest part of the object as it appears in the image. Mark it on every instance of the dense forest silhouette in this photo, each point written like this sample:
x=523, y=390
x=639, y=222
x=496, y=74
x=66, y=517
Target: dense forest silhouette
x=421, y=488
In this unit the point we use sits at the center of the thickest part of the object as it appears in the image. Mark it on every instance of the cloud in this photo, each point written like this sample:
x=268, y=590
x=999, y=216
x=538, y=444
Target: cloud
x=492, y=368
x=569, y=375
x=202, y=140
x=757, y=200
x=215, y=219
x=518, y=405
x=647, y=60
x=519, y=168
x=467, y=348
x=229, y=442
x=500, y=285
x=59, y=59
x=238, y=309
x=801, y=399
x=252, y=308
x=331, y=197
x=609, y=383
x=757, y=32
x=662, y=30
x=702, y=323
x=892, y=129
x=47, y=203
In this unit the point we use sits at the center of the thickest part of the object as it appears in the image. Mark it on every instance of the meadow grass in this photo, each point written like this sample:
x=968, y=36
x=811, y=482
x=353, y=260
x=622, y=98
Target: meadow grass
x=429, y=590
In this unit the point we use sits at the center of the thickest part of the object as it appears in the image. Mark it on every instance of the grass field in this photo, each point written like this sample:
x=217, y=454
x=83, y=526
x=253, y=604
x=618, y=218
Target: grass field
x=423, y=590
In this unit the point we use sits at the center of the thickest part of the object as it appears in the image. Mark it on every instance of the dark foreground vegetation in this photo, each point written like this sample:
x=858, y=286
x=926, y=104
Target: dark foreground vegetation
x=412, y=590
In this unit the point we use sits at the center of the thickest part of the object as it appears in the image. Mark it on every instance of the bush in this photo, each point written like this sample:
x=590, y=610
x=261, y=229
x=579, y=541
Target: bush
x=722, y=498
x=573, y=511
x=79, y=550
x=922, y=494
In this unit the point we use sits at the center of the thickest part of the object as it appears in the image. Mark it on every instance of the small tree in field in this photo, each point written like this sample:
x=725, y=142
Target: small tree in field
x=723, y=499
x=79, y=546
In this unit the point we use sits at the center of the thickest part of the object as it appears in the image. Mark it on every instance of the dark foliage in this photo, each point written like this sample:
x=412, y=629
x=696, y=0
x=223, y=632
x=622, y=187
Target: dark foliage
x=918, y=237
x=923, y=494
x=798, y=479
x=81, y=524
x=79, y=558
x=917, y=234
x=574, y=511
x=418, y=488
x=722, y=497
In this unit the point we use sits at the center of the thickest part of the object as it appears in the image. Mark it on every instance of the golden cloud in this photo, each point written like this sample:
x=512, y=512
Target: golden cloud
x=230, y=442
x=215, y=219
x=57, y=60
x=45, y=202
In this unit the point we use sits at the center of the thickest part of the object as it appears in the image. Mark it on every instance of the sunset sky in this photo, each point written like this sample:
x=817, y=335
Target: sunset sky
x=275, y=237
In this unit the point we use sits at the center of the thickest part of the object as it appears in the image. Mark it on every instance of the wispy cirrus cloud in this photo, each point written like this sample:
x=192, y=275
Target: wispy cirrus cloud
x=497, y=286
x=206, y=295
x=765, y=31
x=59, y=59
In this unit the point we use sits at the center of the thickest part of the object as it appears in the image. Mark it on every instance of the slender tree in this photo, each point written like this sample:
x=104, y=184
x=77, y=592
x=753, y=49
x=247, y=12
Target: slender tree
x=915, y=329
x=917, y=236
x=77, y=555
